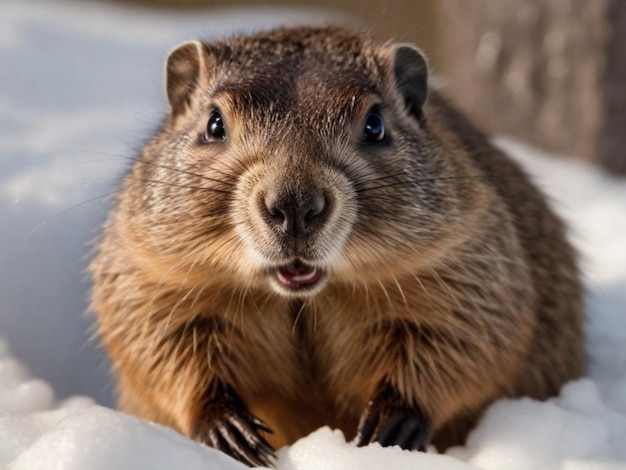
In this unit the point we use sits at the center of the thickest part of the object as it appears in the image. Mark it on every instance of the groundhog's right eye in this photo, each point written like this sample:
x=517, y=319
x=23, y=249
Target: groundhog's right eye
x=215, y=130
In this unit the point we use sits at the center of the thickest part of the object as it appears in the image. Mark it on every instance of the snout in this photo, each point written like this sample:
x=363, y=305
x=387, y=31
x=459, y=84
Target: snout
x=295, y=213
x=293, y=224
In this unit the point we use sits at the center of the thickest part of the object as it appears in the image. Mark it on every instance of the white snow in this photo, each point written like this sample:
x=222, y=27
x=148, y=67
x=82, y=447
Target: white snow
x=80, y=88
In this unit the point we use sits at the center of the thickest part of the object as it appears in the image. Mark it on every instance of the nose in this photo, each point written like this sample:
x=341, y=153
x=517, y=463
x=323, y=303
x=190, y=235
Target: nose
x=295, y=212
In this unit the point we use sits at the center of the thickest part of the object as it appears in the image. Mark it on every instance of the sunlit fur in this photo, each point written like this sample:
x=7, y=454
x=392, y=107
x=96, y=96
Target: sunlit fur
x=448, y=276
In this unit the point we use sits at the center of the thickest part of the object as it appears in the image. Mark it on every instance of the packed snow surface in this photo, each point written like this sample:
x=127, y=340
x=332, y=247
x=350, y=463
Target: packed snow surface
x=80, y=89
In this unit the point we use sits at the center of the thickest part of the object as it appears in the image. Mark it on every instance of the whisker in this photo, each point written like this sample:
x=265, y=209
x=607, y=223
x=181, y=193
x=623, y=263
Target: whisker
x=56, y=169
x=184, y=186
x=184, y=172
x=417, y=181
x=142, y=161
x=231, y=170
x=65, y=211
x=372, y=177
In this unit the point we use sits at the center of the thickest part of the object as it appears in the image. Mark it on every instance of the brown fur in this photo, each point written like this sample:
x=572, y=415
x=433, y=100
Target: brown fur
x=449, y=278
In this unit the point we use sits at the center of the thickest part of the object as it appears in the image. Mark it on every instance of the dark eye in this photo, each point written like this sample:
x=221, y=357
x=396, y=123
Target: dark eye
x=215, y=130
x=374, y=131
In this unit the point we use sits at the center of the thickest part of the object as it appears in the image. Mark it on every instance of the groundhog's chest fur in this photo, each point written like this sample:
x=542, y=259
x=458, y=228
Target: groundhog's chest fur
x=315, y=237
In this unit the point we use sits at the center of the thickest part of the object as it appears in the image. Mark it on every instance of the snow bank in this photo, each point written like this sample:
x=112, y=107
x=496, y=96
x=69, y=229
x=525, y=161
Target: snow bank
x=577, y=427
x=582, y=429
x=80, y=88
x=97, y=438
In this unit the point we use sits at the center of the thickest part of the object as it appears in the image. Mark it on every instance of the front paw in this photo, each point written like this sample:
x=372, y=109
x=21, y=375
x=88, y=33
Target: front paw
x=227, y=425
x=389, y=420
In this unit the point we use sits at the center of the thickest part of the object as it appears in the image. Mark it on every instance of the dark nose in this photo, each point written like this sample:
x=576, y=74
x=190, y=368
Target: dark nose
x=296, y=213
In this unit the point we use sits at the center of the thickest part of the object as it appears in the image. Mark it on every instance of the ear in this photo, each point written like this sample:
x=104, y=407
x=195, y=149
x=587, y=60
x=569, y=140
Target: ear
x=410, y=73
x=185, y=70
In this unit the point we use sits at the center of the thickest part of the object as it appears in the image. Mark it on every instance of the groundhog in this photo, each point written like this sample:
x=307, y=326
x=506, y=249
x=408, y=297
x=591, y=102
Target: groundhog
x=316, y=237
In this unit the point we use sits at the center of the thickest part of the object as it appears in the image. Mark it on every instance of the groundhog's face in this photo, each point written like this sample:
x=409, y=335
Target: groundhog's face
x=296, y=158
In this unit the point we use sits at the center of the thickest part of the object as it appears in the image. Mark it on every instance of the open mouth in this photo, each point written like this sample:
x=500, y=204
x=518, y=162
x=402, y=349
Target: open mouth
x=298, y=276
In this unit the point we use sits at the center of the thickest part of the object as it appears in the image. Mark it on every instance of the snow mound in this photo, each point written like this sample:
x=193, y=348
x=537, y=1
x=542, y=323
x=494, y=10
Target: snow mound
x=522, y=434
x=98, y=438
x=579, y=430
x=327, y=449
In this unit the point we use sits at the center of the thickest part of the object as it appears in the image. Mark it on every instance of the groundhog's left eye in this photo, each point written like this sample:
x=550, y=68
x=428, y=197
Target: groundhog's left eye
x=374, y=130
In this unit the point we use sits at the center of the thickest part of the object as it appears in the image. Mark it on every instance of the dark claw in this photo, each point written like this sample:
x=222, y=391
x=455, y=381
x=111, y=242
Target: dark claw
x=262, y=426
x=367, y=426
x=227, y=425
x=389, y=421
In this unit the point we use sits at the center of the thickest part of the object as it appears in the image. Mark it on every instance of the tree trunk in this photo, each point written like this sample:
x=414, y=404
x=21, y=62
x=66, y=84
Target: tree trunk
x=549, y=72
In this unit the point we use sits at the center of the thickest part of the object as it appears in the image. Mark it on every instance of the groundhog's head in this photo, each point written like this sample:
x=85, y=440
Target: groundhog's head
x=297, y=157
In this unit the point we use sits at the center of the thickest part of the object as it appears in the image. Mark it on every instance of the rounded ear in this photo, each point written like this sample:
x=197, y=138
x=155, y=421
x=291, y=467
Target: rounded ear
x=185, y=69
x=410, y=72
